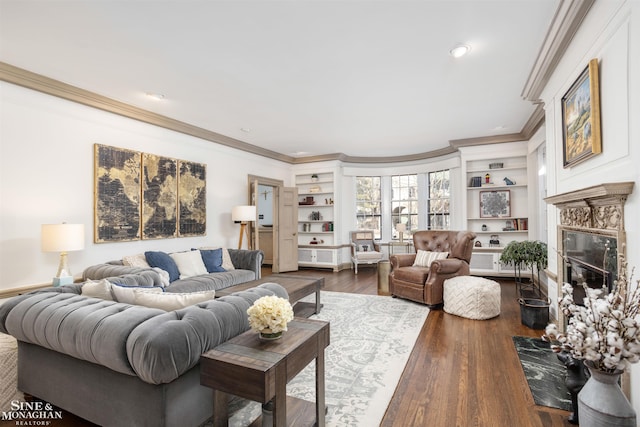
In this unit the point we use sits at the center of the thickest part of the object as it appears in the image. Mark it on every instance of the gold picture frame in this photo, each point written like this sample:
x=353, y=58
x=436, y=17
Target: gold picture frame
x=581, y=117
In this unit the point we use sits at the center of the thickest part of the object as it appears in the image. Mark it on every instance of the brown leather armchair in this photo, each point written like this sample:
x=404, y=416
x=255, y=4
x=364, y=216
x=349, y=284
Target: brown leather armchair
x=424, y=284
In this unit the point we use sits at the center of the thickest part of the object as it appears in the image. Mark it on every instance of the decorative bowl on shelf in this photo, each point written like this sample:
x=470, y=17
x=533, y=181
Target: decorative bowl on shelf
x=496, y=165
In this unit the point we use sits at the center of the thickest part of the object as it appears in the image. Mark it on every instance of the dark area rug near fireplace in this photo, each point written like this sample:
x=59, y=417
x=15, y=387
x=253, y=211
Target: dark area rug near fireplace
x=545, y=374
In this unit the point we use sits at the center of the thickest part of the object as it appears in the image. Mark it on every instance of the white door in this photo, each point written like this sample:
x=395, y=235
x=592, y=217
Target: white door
x=287, y=231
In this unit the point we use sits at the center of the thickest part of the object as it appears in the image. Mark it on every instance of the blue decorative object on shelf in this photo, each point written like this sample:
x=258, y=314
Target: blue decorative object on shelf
x=508, y=181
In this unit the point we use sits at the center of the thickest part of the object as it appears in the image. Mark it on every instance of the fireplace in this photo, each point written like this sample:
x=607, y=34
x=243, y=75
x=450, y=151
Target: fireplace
x=590, y=259
x=591, y=236
x=591, y=240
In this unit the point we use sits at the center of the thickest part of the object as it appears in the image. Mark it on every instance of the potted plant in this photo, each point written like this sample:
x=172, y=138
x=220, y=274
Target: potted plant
x=534, y=310
x=525, y=254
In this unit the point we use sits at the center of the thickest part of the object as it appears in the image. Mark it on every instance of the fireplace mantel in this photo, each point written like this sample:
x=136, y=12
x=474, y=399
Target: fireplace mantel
x=597, y=207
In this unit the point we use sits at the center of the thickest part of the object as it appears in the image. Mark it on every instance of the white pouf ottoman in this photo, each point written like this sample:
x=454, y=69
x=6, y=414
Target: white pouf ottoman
x=472, y=297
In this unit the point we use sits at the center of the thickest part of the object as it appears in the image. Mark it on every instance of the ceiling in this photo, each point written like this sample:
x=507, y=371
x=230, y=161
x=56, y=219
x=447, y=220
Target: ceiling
x=300, y=77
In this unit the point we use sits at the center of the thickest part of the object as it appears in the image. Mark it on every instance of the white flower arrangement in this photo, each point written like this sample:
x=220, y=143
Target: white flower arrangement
x=270, y=314
x=606, y=330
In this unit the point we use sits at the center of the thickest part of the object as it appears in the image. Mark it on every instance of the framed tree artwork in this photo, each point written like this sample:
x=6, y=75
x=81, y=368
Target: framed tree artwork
x=495, y=204
x=581, y=117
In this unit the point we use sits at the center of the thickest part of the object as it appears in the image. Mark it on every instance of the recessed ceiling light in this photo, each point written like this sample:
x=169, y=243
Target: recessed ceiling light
x=245, y=130
x=155, y=96
x=460, y=50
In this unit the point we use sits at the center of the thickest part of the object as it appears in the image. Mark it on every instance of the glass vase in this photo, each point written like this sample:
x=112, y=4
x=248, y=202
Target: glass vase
x=267, y=335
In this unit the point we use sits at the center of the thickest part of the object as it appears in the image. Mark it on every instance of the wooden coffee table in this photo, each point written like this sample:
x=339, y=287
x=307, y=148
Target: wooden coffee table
x=258, y=370
x=297, y=287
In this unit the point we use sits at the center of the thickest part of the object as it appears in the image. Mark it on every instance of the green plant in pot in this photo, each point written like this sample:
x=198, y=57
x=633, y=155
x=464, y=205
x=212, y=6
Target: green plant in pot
x=530, y=254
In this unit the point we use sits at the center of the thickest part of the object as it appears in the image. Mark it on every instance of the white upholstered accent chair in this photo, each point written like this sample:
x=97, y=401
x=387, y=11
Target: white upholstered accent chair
x=364, y=249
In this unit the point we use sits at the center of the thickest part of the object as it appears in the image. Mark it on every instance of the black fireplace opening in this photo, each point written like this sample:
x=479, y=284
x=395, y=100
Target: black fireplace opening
x=591, y=259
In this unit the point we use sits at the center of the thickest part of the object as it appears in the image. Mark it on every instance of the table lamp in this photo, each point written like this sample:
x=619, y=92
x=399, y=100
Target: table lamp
x=243, y=214
x=401, y=228
x=62, y=238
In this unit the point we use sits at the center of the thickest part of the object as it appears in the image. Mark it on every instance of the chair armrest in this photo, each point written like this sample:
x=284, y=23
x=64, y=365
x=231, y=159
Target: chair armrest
x=447, y=266
x=402, y=260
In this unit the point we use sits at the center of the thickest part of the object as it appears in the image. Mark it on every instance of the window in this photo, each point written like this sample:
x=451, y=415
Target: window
x=404, y=203
x=438, y=201
x=368, y=204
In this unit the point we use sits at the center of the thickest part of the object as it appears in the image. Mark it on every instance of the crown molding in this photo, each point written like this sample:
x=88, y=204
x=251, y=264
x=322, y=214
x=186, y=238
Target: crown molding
x=40, y=83
x=565, y=24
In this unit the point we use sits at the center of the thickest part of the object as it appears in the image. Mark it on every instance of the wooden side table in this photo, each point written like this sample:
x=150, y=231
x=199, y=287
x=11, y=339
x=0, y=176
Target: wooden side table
x=260, y=370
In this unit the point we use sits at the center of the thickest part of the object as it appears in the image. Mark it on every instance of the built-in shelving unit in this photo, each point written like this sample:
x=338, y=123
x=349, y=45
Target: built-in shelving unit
x=316, y=220
x=496, y=208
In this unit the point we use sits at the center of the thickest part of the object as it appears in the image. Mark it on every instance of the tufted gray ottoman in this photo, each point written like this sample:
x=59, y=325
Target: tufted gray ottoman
x=472, y=297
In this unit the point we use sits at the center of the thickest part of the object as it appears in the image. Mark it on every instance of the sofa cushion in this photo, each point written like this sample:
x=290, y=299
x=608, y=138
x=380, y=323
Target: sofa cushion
x=163, y=261
x=411, y=274
x=189, y=263
x=127, y=295
x=97, y=289
x=85, y=328
x=425, y=258
x=212, y=259
x=138, y=260
x=211, y=281
x=169, y=301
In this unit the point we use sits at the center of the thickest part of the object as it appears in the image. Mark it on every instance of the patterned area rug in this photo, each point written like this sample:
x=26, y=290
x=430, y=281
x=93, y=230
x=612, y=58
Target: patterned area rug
x=9, y=369
x=545, y=374
x=371, y=339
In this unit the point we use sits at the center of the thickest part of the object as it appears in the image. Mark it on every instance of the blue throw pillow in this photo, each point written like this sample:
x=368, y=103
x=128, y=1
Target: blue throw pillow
x=212, y=259
x=163, y=261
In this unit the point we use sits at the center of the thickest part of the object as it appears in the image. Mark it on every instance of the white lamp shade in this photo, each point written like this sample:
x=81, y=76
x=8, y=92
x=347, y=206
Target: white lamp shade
x=62, y=237
x=401, y=228
x=243, y=213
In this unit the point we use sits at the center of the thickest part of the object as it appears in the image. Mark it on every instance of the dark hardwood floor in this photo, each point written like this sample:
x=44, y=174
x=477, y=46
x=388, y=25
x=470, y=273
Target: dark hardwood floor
x=461, y=372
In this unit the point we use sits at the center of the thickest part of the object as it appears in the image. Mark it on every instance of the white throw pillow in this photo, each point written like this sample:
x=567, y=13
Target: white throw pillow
x=425, y=258
x=189, y=263
x=227, y=264
x=100, y=289
x=138, y=260
x=170, y=301
x=127, y=295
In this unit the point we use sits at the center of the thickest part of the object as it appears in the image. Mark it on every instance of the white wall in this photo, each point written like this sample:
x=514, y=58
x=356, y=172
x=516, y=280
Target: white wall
x=611, y=33
x=46, y=176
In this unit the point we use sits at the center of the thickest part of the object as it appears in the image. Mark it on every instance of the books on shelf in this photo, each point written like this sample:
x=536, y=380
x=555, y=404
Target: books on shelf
x=517, y=224
x=522, y=223
x=475, y=181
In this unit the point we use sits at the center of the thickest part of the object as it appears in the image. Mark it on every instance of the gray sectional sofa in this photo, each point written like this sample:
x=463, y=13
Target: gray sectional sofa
x=116, y=364
x=247, y=266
